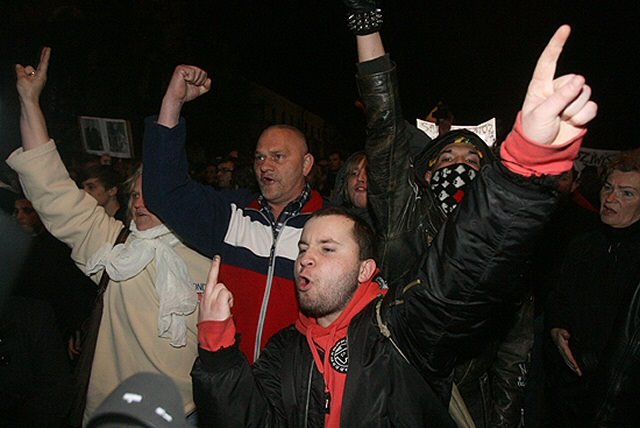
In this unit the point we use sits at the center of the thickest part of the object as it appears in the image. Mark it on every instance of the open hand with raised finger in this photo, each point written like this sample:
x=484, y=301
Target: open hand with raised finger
x=31, y=81
x=217, y=300
x=555, y=110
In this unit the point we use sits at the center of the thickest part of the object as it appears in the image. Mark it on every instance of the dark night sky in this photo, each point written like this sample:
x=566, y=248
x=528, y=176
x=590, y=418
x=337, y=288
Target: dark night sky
x=477, y=56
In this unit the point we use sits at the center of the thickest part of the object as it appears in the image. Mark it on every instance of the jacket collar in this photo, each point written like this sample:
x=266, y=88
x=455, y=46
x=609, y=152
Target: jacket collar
x=312, y=204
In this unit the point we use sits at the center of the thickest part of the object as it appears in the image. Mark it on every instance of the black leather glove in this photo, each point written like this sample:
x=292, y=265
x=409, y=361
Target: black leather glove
x=363, y=16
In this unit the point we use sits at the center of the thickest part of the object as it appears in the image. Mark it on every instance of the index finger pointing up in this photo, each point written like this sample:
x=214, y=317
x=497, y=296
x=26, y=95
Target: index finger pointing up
x=213, y=272
x=546, y=67
x=43, y=65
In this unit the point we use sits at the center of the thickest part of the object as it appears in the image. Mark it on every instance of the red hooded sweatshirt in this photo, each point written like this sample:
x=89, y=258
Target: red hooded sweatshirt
x=332, y=342
x=214, y=335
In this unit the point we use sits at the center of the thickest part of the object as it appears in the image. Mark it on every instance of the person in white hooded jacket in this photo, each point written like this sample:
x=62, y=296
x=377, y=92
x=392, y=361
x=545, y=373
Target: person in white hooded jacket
x=149, y=318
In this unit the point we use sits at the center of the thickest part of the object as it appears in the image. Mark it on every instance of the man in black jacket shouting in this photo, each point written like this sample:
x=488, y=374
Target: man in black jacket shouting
x=359, y=357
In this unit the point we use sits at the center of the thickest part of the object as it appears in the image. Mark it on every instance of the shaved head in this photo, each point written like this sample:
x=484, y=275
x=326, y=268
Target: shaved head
x=295, y=135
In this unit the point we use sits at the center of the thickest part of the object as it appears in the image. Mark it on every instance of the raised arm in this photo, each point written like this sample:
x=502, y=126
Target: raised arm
x=168, y=189
x=547, y=133
x=187, y=83
x=30, y=82
x=364, y=18
x=390, y=140
x=370, y=47
x=474, y=267
x=70, y=214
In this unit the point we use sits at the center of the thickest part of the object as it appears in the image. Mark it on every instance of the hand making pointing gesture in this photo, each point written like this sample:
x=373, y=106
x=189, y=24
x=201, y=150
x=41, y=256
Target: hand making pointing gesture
x=217, y=300
x=556, y=109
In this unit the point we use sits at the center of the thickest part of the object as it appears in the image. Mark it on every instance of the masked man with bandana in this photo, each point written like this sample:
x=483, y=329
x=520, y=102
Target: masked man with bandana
x=149, y=318
x=451, y=162
x=491, y=382
x=414, y=186
x=414, y=183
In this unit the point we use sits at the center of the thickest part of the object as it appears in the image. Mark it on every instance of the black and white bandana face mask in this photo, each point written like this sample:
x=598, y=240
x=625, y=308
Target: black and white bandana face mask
x=448, y=184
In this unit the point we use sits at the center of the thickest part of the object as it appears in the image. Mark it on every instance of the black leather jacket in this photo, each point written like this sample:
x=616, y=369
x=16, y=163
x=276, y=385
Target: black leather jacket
x=285, y=388
x=400, y=358
x=407, y=219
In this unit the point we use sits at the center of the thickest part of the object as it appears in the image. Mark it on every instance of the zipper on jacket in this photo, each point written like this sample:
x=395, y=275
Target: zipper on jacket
x=306, y=407
x=267, y=289
x=327, y=402
x=265, y=301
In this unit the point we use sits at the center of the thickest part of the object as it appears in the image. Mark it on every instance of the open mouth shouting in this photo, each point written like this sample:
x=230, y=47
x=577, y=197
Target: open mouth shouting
x=303, y=283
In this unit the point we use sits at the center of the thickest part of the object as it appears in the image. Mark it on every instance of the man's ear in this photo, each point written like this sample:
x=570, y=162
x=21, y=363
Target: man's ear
x=113, y=191
x=367, y=269
x=427, y=176
x=307, y=163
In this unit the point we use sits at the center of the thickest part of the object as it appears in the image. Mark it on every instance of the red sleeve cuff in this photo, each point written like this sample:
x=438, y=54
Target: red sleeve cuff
x=215, y=335
x=527, y=158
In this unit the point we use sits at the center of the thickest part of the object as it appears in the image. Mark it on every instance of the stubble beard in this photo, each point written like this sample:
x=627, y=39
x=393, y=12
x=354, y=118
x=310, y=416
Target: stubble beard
x=339, y=297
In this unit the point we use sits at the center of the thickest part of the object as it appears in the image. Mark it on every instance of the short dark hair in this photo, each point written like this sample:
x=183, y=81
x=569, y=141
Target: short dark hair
x=105, y=174
x=362, y=233
x=627, y=161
